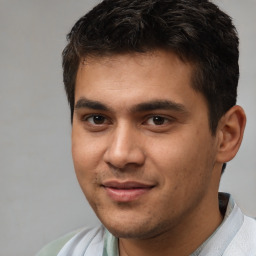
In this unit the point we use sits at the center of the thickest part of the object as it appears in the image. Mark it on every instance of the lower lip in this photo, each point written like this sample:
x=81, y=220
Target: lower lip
x=126, y=195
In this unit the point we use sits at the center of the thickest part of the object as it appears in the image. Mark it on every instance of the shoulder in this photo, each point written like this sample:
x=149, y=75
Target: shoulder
x=244, y=243
x=85, y=235
x=54, y=247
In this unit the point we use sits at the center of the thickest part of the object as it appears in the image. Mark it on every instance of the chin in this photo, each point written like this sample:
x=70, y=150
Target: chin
x=123, y=232
x=134, y=229
x=124, y=226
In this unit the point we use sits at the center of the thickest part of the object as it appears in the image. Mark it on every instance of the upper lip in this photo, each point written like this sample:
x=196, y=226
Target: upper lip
x=126, y=184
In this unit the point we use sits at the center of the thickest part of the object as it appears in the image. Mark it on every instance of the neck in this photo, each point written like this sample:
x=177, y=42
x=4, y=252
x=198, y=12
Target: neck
x=181, y=240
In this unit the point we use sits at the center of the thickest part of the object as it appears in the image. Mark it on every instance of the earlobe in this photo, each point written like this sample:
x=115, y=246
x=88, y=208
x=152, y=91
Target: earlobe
x=231, y=130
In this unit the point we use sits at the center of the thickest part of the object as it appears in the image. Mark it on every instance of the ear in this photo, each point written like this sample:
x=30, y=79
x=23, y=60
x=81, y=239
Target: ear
x=230, y=132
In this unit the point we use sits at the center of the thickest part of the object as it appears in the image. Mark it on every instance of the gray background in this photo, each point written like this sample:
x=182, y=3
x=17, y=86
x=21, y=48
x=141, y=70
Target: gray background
x=39, y=196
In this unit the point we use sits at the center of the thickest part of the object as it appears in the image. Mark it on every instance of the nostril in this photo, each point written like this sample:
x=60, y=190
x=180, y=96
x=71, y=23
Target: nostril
x=123, y=149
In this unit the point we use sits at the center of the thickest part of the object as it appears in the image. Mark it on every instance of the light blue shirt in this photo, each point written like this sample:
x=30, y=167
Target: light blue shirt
x=236, y=236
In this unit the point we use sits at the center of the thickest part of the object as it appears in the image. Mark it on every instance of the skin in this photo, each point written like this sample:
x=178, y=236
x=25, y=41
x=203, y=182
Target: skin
x=123, y=131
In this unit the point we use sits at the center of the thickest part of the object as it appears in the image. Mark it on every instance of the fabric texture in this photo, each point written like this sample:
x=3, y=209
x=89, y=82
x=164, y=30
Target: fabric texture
x=236, y=236
x=53, y=248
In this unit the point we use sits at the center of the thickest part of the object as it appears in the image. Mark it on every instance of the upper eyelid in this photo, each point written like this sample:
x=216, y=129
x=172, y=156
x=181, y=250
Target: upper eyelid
x=160, y=115
x=144, y=118
x=167, y=121
x=86, y=117
x=93, y=114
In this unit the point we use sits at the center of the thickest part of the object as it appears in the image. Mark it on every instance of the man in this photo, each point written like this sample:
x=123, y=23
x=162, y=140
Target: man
x=152, y=88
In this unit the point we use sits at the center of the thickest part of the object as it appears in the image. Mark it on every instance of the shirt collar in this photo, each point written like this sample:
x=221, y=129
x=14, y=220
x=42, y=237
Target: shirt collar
x=215, y=245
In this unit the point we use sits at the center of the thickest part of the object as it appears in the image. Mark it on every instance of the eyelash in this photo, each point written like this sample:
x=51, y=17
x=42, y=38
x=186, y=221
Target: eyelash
x=86, y=119
x=158, y=118
x=102, y=119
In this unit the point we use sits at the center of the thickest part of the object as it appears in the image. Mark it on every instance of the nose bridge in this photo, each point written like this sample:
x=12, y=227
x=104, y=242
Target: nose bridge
x=124, y=147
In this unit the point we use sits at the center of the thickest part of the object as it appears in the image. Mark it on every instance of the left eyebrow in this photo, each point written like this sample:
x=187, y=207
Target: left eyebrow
x=159, y=104
x=91, y=104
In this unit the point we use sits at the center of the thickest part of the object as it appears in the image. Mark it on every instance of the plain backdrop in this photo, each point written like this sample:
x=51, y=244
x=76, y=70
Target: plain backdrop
x=40, y=198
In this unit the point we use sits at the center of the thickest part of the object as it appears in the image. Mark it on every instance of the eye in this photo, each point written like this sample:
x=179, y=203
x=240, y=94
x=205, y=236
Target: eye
x=157, y=120
x=96, y=119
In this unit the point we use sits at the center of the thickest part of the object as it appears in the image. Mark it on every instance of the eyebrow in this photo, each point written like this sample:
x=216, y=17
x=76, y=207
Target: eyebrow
x=141, y=107
x=86, y=103
x=159, y=104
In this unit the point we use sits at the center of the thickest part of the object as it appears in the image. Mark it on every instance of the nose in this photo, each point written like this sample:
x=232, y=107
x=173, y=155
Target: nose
x=124, y=147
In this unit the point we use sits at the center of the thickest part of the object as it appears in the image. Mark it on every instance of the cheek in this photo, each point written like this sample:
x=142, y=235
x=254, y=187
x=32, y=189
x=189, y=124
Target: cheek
x=172, y=152
x=84, y=164
x=87, y=163
x=86, y=149
x=181, y=160
x=86, y=159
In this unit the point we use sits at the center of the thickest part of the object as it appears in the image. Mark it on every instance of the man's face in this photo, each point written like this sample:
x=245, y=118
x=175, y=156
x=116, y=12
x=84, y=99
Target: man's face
x=143, y=152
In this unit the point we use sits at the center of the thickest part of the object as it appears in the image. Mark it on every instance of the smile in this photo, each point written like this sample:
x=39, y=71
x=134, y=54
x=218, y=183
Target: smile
x=126, y=191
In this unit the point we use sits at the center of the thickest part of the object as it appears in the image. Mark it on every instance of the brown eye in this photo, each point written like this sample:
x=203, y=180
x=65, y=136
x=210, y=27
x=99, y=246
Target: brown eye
x=96, y=119
x=157, y=120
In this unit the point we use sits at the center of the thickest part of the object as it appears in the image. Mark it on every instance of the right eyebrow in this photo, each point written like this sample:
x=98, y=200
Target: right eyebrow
x=159, y=104
x=91, y=104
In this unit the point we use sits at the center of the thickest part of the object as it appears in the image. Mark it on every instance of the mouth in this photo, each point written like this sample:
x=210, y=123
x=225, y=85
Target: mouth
x=126, y=191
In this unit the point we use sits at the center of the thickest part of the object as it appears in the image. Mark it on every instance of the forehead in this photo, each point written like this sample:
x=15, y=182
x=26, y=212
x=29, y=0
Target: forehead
x=148, y=58
x=132, y=77
x=163, y=63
